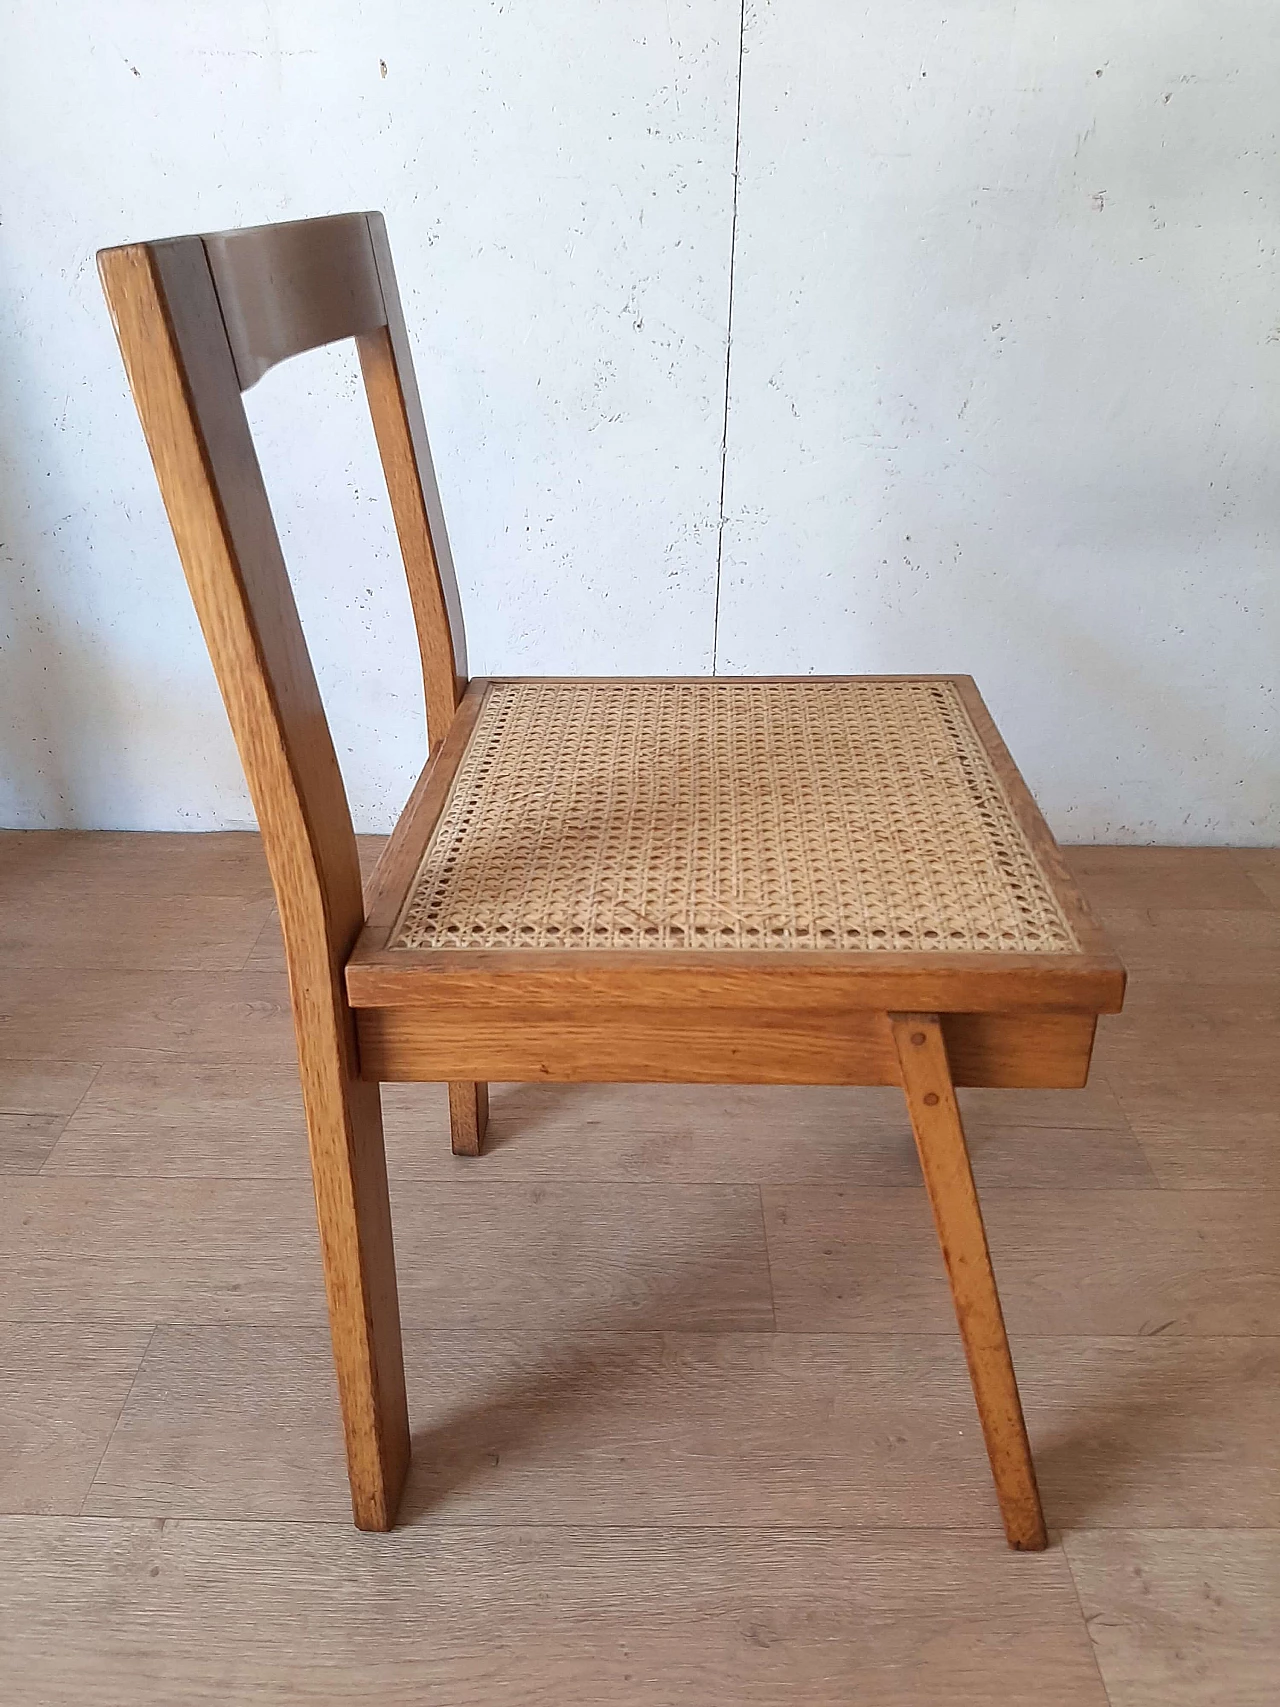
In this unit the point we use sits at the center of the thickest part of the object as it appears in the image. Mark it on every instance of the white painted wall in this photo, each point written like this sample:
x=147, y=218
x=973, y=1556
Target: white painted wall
x=1003, y=390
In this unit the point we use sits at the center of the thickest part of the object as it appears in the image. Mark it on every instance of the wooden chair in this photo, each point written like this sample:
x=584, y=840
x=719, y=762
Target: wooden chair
x=758, y=881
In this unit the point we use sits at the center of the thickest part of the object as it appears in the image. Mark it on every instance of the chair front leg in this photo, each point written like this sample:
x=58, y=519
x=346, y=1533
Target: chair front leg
x=944, y=1159
x=348, y=1165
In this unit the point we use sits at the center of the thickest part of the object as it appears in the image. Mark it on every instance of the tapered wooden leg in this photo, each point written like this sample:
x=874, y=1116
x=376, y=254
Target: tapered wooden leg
x=468, y=1116
x=348, y=1164
x=944, y=1158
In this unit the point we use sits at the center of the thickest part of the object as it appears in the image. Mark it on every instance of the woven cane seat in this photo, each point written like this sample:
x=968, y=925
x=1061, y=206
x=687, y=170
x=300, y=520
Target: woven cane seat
x=855, y=814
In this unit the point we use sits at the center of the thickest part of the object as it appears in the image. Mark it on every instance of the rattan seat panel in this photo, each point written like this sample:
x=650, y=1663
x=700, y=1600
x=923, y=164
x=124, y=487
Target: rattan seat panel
x=859, y=814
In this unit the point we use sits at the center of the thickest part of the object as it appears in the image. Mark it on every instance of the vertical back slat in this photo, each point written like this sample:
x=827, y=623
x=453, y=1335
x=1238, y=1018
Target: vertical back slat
x=390, y=382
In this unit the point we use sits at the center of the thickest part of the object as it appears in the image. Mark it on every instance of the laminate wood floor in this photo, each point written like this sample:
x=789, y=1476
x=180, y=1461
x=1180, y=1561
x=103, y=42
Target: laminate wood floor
x=691, y=1421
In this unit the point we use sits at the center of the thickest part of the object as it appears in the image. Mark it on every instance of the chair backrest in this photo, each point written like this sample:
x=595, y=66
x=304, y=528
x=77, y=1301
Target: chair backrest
x=200, y=320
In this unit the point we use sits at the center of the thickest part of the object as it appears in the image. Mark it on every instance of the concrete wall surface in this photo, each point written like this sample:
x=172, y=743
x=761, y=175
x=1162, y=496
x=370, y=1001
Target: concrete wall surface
x=794, y=336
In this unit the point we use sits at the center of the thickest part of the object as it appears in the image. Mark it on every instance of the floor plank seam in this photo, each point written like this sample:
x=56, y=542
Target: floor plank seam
x=119, y=1417
x=1061, y=1547
x=272, y=919
x=97, y=1074
x=530, y=1181
x=522, y=1328
x=768, y=1261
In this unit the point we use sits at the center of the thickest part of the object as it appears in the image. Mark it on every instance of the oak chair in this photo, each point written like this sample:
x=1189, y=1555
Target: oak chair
x=758, y=881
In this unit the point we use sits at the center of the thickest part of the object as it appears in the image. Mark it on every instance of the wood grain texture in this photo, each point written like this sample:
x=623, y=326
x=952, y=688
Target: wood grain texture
x=468, y=1117
x=1199, y=1047
x=186, y=1250
x=1218, y=1149
x=26, y=1141
x=703, y=1044
x=117, y=1614
x=1168, y=877
x=592, y=1306
x=177, y=1117
x=154, y=1015
x=172, y=332
x=1204, y=945
x=44, y=867
x=944, y=1161
x=1263, y=868
x=62, y=1386
x=200, y=1250
x=802, y=981
x=647, y=1045
x=848, y=1260
x=36, y=1100
x=596, y=1429
x=213, y=933
x=433, y=582
x=544, y=1426
x=584, y=1256
x=1193, y=1064
x=267, y=954
x=1181, y=1619
x=44, y=1086
x=443, y=671
x=740, y=1133
x=1092, y=1107
x=200, y=319
x=1155, y=1432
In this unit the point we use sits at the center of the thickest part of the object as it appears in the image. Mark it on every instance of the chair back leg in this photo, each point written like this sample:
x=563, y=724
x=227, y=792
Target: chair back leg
x=348, y=1165
x=468, y=1116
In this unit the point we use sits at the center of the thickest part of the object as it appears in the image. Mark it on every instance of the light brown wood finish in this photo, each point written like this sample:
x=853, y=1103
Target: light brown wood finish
x=443, y=683
x=468, y=1116
x=683, y=1043
x=944, y=1160
x=184, y=380
x=200, y=319
x=392, y=387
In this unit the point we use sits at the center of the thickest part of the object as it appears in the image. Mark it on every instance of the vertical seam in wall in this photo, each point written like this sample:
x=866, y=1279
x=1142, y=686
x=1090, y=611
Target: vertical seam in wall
x=728, y=343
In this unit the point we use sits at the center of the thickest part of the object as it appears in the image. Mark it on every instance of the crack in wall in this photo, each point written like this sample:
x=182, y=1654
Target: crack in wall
x=728, y=343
